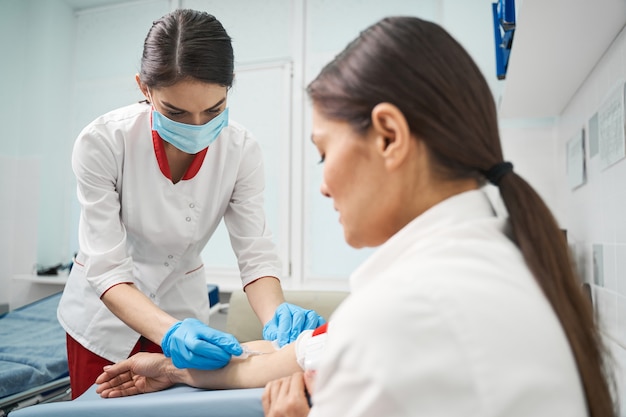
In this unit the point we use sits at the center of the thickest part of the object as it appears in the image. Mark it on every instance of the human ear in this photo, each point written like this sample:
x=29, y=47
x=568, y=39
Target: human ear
x=142, y=87
x=392, y=132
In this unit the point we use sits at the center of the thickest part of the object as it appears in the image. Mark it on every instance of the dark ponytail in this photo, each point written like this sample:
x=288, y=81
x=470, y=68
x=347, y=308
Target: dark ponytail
x=546, y=252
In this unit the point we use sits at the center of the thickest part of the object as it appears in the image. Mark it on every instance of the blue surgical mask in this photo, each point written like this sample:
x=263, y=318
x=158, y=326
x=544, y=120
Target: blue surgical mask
x=189, y=138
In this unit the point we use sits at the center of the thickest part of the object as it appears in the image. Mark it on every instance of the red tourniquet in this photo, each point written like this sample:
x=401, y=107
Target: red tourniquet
x=85, y=366
x=321, y=329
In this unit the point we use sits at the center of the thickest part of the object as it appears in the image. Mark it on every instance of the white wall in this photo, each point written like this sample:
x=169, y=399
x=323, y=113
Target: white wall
x=36, y=47
x=595, y=213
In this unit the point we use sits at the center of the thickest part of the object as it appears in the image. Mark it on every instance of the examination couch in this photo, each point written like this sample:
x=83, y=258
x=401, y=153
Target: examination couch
x=33, y=358
x=186, y=401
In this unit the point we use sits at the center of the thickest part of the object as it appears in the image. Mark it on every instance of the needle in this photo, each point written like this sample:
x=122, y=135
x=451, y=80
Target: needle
x=249, y=352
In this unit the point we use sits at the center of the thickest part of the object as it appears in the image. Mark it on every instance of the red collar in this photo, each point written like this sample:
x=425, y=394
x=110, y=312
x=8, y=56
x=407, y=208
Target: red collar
x=159, y=152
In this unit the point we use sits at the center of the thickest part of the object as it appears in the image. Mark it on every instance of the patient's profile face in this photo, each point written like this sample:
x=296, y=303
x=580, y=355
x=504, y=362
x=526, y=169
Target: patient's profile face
x=353, y=176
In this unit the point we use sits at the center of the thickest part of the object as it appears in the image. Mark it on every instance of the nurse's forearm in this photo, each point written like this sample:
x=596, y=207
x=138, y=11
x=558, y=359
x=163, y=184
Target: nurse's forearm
x=138, y=311
x=264, y=295
x=253, y=372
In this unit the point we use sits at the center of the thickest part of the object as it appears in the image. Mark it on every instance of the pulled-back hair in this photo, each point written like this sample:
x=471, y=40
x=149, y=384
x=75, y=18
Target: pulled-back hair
x=187, y=44
x=418, y=67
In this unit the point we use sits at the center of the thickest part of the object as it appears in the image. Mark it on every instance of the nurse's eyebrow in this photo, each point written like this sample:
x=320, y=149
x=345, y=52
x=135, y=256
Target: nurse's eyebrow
x=212, y=108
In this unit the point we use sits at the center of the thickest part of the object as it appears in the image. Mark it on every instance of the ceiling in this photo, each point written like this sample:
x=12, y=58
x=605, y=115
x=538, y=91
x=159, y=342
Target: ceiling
x=556, y=45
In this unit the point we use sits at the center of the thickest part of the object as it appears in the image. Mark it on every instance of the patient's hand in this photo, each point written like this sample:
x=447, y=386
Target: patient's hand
x=286, y=397
x=141, y=373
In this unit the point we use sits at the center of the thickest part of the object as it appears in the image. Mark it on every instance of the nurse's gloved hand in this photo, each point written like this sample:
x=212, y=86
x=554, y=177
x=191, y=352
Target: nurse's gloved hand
x=289, y=321
x=192, y=344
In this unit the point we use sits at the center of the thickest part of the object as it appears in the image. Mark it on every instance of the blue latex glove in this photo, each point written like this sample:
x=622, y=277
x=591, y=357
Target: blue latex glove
x=289, y=321
x=192, y=344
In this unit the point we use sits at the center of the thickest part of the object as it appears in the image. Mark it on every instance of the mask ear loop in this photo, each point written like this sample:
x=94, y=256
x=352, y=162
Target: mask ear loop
x=150, y=101
x=148, y=98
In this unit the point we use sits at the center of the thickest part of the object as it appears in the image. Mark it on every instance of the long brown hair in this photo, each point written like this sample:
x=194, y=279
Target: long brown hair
x=417, y=66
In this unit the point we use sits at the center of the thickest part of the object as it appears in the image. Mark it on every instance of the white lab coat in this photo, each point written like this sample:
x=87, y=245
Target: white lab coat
x=137, y=226
x=445, y=319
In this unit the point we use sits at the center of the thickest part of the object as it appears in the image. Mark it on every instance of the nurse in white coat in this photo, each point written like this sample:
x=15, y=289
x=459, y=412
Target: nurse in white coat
x=459, y=312
x=154, y=180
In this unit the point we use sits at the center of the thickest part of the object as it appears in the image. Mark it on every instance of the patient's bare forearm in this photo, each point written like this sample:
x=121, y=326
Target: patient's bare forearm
x=252, y=372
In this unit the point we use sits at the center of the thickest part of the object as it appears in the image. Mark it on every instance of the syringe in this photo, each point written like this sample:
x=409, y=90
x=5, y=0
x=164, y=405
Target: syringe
x=249, y=352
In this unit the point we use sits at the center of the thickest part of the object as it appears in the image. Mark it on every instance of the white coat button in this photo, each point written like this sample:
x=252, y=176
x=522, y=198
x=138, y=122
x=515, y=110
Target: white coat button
x=152, y=296
x=166, y=264
x=170, y=256
x=188, y=219
x=191, y=205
